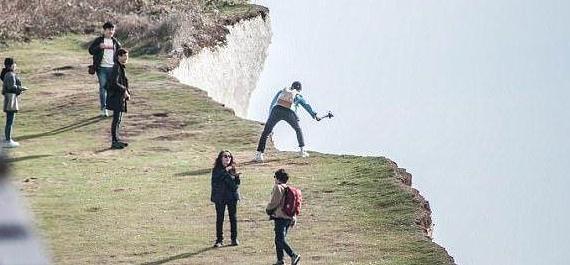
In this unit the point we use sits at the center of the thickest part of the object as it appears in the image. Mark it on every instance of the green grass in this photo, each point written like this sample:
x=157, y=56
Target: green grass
x=231, y=14
x=149, y=204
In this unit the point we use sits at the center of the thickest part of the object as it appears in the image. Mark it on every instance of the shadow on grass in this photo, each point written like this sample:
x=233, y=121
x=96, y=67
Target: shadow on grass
x=104, y=150
x=265, y=161
x=23, y=158
x=194, y=172
x=77, y=125
x=178, y=257
x=209, y=170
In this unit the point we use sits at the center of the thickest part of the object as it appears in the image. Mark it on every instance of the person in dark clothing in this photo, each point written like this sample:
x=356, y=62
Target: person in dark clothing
x=225, y=193
x=117, y=96
x=11, y=89
x=104, y=51
x=284, y=107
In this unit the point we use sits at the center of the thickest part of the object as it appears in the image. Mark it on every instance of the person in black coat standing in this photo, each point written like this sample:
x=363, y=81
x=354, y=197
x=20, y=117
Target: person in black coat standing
x=104, y=50
x=225, y=193
x=117, y=96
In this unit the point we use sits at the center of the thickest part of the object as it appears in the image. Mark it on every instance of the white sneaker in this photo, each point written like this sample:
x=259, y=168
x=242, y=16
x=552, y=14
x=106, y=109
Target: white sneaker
x=104, y=113
x=258, y=156
x=303, y=153
x=11, y=144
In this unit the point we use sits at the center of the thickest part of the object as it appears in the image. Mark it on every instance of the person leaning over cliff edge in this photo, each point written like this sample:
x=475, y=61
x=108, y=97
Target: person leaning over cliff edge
x=282, y=221
x=11, y=89
x=117, y=96
x=284, y=107
x=104, y=50
x=225, y=192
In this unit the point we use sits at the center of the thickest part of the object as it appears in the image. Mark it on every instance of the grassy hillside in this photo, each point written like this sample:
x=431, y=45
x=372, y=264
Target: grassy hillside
x=30, y=19
x=174, y=27
x=149, y=203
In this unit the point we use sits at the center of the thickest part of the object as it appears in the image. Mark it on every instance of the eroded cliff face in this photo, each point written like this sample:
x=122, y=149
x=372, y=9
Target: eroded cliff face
x=229, y=72
x=423, y=218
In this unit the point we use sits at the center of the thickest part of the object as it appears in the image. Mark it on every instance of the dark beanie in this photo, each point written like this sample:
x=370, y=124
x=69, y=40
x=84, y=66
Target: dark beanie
x=8, y=62
x=296, y=85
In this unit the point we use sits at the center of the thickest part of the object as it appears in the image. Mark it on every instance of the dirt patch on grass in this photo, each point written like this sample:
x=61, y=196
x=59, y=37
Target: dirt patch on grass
x=138, y=124
x=159, y=149
x=177, y=136
x=71, y=101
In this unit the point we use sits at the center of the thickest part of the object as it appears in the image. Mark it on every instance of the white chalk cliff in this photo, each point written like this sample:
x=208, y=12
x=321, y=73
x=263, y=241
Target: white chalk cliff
x=229, y=73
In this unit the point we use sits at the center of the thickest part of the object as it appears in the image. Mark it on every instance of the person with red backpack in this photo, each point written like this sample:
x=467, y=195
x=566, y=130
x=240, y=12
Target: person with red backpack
x=284, y=107
x=283, y=208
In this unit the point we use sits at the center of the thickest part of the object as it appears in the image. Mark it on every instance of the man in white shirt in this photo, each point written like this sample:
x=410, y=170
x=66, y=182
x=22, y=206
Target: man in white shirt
x=104, y=50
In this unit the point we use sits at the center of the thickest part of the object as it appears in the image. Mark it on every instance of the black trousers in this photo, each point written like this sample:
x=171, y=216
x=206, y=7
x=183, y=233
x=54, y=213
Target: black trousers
x=279, y=113
x=220, y=211
x=117, y=117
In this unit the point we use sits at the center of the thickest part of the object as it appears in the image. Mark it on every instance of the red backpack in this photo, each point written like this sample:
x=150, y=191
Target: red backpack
x=293, y=198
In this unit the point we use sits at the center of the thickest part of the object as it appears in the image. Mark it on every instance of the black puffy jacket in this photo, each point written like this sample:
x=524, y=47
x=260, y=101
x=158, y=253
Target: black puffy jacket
x=225, y=189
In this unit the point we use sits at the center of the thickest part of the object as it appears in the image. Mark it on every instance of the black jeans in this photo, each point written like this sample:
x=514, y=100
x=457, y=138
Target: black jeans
x=281, y=228
x=117, y=116
x=279, y=113
x=232, y=211
x=10, y=115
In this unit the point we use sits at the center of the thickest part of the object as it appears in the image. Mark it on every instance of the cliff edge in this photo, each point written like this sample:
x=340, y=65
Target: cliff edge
x=149, y=204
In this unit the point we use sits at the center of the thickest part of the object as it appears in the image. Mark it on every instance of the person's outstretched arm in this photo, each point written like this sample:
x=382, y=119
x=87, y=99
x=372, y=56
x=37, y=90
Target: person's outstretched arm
x=301, y=101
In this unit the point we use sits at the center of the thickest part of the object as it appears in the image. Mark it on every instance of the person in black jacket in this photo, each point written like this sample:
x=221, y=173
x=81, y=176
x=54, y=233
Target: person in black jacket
x=11, y=89
x=104, y=50
x=117, y=96
x=225, y=192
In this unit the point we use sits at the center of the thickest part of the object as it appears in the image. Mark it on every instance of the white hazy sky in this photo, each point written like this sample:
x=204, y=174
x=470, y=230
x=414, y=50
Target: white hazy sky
x=470, y=96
